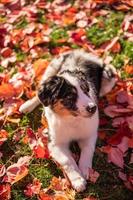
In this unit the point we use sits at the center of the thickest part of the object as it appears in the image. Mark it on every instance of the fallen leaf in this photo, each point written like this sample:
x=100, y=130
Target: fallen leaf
x=116, y=157
x=93, y=175
x=33, y=189
x=44, y=196
x=116, y=110
x=17, y=171
x=7, y=91
x=58, y=184
x=116, y=48
x=2, y=170
x=129, y=69
x=116, y=138
x=41, y=151
x=39, y=67
x=90, y=198
x=3, y=136
x=5, y=192
x=130, y=143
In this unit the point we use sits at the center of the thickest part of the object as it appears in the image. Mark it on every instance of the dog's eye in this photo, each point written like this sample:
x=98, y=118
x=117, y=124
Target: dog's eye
x=85, y=88
x=70, y=101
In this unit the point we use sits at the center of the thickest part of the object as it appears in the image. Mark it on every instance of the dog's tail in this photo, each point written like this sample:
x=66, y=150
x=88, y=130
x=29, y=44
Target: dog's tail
x=29, y=105
x=109, y=79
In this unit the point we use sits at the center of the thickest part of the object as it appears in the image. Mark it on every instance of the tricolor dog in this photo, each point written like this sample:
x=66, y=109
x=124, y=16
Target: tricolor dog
x=69, y=92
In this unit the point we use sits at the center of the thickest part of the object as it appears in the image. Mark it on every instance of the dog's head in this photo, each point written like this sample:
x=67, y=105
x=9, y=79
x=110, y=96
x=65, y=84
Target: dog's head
x=66, y=98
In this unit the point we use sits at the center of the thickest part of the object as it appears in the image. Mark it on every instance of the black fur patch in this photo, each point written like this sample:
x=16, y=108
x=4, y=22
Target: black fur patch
x=94, y=74
x=57, y=88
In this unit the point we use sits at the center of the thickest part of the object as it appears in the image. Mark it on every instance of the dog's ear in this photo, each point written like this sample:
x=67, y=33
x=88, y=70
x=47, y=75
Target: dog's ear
x=48, y=92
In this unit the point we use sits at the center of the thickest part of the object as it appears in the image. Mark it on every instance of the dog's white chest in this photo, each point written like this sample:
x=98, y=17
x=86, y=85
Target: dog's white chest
x=74, y=128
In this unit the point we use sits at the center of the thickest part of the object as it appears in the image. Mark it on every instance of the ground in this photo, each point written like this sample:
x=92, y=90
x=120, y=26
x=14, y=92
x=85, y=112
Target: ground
x=32, y=33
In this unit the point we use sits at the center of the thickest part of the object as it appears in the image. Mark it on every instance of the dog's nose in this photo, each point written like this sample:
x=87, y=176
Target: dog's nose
x=91, y=108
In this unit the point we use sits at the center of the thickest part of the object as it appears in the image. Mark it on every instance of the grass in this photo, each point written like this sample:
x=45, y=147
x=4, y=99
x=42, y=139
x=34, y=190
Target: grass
x=108, y=186
x=107, y=28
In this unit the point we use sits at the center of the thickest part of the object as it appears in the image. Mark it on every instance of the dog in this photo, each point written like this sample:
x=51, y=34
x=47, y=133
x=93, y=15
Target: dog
x=69, y=92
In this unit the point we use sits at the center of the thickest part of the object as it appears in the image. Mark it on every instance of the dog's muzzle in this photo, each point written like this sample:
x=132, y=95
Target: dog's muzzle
x=91, y=108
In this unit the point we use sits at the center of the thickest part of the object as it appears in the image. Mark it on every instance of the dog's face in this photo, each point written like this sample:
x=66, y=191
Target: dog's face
x=66, y=99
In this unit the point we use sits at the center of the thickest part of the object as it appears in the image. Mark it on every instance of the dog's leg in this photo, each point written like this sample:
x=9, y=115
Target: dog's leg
x=29, y=105
x=108, y=79
x=62, y=155
x=87, y=150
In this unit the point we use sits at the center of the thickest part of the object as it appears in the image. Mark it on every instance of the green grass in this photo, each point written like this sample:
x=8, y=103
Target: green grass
x=106, y=29
x=108, y=185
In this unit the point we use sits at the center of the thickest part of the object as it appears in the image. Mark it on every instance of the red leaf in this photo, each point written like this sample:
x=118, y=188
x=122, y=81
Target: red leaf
x=41, y=152
x=2, y=170
x=102, y=135
x=123, y=146
x=18, y=170
x=38, y=143
x=77, y=36
x=6, y=52
x=90, y=198
x=115, y=110
x=32, y=189
x=116, y=48
x=5, y=192
x=93, y=175
x=122, y=97
x=122, y=176
x=103, y=121
x=130, y=143
x=124, y=130
x=116, y=156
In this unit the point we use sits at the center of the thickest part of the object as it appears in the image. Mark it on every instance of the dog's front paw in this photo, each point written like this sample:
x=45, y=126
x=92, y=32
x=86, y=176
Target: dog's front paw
x=85, y=171
x=79, y=184
x=29, y=105
x=109, y=72
x=26, y=107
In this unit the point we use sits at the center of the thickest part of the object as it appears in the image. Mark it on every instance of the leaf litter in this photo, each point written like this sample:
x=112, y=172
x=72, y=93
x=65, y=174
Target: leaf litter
x=31, y=35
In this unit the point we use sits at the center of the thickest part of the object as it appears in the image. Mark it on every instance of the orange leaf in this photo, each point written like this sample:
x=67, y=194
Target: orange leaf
x=59, y=184
x=44, y=122
x=41, y=152
x=7, y=91
x=116, y=48
x=129, y=69
x=44, y=196
x=39, y=67
x=5, y=1
x=3, y=136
